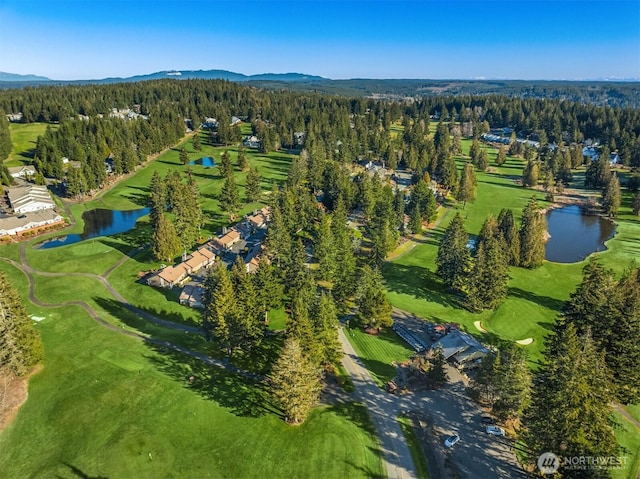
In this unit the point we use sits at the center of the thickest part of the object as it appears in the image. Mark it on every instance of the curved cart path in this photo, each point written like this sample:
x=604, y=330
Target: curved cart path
x=30, y=271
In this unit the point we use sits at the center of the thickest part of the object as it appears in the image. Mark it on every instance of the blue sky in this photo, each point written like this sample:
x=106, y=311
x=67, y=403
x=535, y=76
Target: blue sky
x=562, y=39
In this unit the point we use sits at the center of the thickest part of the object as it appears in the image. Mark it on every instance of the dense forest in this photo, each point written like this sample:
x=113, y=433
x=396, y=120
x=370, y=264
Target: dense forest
x=333, y=128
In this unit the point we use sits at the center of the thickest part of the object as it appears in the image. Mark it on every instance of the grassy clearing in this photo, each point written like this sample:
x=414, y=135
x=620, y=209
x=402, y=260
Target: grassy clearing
x=535, y=296
x=414, y=447
x=24, y=137
x=634, y=410
x=379, y=352
x=133, y=192
x=108, y=405
x=628, y=438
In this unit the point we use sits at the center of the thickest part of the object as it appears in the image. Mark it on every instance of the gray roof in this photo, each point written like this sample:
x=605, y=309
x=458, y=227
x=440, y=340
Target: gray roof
x=461, y=345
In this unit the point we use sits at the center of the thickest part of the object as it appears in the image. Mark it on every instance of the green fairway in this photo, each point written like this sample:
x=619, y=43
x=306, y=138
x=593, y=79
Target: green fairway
x=634, y=410
x=24, y=137
x=628, y=437
x=108, y=405
x=132, y=192
x=379, y=352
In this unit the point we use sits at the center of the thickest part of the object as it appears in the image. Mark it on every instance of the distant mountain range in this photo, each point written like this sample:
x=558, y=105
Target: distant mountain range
x=176, y=74
x=14, y=77
x=611, y=92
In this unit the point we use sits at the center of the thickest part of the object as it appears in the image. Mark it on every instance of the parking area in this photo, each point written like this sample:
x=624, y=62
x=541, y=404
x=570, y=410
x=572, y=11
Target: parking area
x=442, y=413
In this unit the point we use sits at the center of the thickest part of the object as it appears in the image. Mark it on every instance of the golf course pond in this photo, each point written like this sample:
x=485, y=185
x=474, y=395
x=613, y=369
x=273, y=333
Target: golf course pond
x=576, y=234
x=99, y=222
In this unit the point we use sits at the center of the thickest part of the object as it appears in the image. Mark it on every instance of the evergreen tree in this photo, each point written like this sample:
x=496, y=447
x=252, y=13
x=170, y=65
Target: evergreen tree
x=345, y=277
x=415, y=221
x=532, y=236
x=513, y=378
x=220, y=310
x=611, y=196
x=299, y=324
x=488, y=230
x=184, y=156
x=325, y=250
x=165, y=243
x=374, y=308
x=454, y=259
x=501, y=158
x=483, y=160
x=598, y=172
x=20, y=344
x=510, y=236
x=253, y=188
x=229, y=197
x=467, y=190
x=437, y=375
x=225, y=166
x=474, y=151
x=487, y=284
x=269, y=289
x=250, y=319
x=294, y=383
x=243, y=162
x=636, y=205
x=158, y=199
x=611, y=311
x=530, y=174
x=324, y=317
x=569, y=412
x=197, y=146
x=5, y=137
x=188, y=212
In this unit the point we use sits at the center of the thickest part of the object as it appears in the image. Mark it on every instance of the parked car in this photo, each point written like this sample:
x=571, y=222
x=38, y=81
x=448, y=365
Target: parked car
x=495, y=430
x=451, y=440
x=487, y=420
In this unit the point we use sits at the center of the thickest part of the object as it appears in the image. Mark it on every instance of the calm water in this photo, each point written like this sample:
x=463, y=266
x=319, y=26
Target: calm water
x=100, y=223
x=575, y=235
x=206, y=161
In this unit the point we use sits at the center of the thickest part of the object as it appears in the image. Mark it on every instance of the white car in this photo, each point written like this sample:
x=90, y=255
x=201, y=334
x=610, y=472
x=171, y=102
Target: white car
x=495, y=430
x=451, y=440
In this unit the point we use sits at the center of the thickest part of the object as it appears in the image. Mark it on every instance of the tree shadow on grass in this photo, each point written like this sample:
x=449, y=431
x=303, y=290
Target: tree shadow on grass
x=77, y=472
x=551, y=303
x=418, y=282
x=241, y=395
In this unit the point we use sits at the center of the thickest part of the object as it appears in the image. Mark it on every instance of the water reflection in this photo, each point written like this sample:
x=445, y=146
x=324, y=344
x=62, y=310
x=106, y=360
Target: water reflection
x=100, y=222
x=575, y=235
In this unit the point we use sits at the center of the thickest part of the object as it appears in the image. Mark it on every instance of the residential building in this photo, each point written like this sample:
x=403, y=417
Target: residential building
x=25, y=199
x=19, y=225
x=24, y=172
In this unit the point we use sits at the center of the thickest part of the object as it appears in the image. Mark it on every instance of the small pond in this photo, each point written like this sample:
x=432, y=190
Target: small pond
x=205, y=161
x=575, y=234
x=100, y=223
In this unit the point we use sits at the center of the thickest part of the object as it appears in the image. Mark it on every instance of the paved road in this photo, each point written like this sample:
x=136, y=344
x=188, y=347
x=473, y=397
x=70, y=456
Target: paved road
x=439, y=414
x=384, y=409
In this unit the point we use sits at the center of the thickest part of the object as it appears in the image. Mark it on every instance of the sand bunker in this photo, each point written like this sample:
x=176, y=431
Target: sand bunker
x=525, y=342
x=479, y=327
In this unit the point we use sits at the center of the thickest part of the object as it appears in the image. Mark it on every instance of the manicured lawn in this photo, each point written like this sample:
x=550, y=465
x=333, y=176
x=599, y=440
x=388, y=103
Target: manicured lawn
x=535, y=296
x=414, y=447
x=108, y=405
x=24, y=137
x=277, y=319
x=379, y=352
x=628, y=437
x=634, y=410
x=133, y=192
